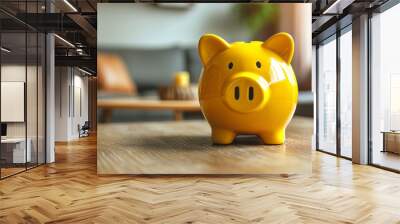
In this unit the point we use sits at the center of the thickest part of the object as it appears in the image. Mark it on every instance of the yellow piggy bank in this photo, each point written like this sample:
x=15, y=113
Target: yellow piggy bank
x=247, y=88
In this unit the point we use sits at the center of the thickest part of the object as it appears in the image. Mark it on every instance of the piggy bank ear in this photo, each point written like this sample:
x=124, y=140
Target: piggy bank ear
x=210, y=45
x=282, y=44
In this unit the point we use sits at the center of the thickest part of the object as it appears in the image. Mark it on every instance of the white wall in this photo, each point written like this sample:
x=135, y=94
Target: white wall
x=80, y=103
x=62, y=82
x=134, y=25
x=13, y=72
x=70, y=81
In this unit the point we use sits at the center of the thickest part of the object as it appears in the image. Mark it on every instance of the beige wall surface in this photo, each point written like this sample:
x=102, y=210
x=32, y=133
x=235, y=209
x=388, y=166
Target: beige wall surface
x=16, y=73
x=33, y=127
x=71, y=102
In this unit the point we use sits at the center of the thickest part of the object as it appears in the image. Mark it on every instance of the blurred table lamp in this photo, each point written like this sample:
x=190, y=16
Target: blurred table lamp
x=113, y=76
x=182, y=79
x=180, y=88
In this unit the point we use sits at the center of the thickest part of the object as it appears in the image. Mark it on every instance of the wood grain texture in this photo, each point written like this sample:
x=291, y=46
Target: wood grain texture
x=70, y=191
x=126, y=103
x=186, y=148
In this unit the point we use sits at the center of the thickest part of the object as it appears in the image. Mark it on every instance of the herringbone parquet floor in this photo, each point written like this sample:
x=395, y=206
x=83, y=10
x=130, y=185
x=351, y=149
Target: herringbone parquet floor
x=70, y=191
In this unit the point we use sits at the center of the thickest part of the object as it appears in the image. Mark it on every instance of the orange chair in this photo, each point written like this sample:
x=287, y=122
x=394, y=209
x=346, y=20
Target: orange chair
x=113, y=76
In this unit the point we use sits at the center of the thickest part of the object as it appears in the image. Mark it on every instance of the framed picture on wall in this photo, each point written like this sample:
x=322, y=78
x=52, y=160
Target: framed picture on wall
x=12, y=101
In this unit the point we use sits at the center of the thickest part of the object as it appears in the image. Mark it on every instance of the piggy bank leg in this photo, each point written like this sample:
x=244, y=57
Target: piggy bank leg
x=222, y=136
x=273, y=138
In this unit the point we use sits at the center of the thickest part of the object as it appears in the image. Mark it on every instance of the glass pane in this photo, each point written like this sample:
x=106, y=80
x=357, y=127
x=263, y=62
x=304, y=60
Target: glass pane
x=346, y=94
x=31, y=98
x=31, y=88
x=327, y=97
x=14, y=153
x=385, y=84
x=41, y=98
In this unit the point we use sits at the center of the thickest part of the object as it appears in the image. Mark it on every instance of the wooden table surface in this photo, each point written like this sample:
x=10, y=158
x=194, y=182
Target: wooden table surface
x=177, y=106
x=186, y=148
x=183, y=105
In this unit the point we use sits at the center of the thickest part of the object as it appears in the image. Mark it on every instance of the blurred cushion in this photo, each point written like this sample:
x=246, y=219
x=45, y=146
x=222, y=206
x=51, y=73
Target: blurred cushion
x=113, y=75
x=194, y=64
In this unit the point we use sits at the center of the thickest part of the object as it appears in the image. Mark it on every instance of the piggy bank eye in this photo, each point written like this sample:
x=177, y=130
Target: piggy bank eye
x=258, y=64
x=230, y=65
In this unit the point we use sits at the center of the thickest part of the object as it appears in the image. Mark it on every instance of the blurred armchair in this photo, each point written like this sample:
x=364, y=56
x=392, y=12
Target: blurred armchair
x=113, y=76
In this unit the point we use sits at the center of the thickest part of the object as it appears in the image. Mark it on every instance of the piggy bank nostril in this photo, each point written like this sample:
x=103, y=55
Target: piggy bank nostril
x=237, y=93
x=245, y=92
x=251, y=93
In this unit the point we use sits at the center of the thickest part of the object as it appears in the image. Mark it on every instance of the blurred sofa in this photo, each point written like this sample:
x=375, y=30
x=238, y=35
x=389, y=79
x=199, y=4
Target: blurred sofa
x=151, y=68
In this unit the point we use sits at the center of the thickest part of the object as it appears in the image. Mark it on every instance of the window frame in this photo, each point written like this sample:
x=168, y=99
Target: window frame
x=334, y=37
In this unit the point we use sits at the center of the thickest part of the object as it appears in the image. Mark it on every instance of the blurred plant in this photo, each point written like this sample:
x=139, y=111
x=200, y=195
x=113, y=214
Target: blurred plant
x=257, y=15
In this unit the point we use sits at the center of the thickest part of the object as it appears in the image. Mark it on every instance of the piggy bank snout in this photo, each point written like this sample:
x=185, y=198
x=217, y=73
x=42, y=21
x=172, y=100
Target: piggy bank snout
x=246, y=92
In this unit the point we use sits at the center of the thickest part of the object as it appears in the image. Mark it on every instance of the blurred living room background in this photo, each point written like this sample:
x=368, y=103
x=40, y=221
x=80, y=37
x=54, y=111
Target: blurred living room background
x=148, y=64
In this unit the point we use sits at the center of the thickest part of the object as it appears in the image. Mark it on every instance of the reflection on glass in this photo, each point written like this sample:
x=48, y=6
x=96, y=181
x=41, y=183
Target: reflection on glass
x=327, y=97
x=22, y=92
x=346, y=94
x=15, y=151
x=32, y=86
x=31, y=100
x=385, y=81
